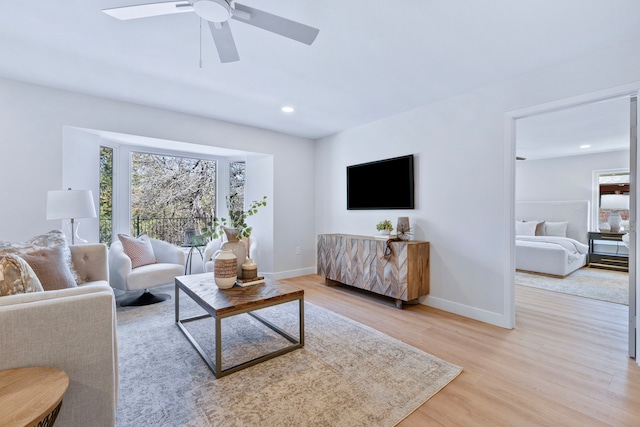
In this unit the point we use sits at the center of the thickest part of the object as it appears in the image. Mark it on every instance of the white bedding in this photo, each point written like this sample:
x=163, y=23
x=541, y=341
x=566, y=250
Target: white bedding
x=573, y=246
x=558, y=256
x=546, y=252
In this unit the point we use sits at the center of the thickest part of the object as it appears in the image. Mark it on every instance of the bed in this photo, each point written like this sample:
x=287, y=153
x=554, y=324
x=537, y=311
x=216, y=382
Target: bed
x=551, y=237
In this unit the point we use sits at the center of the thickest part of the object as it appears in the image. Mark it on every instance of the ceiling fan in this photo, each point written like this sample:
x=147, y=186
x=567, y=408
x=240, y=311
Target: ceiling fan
x=217, y=13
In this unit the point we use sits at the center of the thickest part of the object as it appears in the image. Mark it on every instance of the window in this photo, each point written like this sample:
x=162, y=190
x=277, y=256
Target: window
x=105, y=213
x=163, y=194
x=613, y=191
x=170, y=194
x=236, y=184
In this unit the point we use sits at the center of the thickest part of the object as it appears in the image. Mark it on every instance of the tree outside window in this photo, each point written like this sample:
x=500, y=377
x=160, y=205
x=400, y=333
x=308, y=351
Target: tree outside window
x=170, y=194
x=106, y=195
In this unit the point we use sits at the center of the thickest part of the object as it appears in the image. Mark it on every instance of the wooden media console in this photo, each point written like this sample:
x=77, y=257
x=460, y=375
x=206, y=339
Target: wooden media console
x=397, y=269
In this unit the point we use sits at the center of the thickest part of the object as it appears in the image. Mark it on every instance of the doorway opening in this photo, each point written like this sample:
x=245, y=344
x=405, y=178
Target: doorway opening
x=528, y=129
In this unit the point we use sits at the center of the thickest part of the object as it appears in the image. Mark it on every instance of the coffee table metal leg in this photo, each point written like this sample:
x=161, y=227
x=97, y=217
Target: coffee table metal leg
x=216, y=365
x=301, y=323
x=300, y=339
x=218, y=347
x=177, y=302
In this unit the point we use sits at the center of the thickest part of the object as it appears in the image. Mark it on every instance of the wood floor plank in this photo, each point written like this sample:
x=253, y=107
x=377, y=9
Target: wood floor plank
x=564, y=364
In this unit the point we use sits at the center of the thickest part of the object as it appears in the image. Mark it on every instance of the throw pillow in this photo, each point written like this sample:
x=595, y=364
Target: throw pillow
x=16, y=277
x=138, y=250
x=59, y=256
x=57, y=238
x=50, y=266
x=556, y=228
x=54, y=238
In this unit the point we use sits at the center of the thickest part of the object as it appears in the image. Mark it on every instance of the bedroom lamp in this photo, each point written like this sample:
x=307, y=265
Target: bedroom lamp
x=71, y=204
x=615, y=203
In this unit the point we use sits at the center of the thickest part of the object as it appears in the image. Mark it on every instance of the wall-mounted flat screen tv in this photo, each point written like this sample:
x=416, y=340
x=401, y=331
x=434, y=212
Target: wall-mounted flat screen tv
x=384, y=184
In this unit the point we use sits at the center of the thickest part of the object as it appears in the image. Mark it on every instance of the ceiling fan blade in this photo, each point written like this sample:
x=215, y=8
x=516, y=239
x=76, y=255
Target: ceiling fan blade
x=223, y=39
x=276, y=24
x=149, y=9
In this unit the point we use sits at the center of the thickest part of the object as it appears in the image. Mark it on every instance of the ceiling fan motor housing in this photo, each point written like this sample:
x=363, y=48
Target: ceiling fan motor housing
x=212, y=10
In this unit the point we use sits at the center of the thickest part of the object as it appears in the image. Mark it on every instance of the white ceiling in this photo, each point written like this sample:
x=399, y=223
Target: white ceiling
x=586, y=129
x=372, y=58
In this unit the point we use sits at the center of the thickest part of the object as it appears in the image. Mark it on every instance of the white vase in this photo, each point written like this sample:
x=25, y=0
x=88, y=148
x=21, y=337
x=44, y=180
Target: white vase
x=239, y=249
x=614, y=221
x=225, y=268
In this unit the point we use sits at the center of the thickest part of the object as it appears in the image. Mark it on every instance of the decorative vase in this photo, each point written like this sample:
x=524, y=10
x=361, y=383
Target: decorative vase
x=231, y=233
x=249, y=269
x=385, y=232
x=614, y=221
x=189, y=233
x=225, y=268
x=403, y=228
x=239, y=249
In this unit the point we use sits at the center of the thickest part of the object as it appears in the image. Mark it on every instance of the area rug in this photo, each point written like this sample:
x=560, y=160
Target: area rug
x=605, y=285
x=346, y=375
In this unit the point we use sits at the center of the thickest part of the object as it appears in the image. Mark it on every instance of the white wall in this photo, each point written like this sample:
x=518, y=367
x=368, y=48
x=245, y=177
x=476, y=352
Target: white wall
x=564, y=178
x=463, y=160
x=80, y=171
x=32, y=119
x=464, y=186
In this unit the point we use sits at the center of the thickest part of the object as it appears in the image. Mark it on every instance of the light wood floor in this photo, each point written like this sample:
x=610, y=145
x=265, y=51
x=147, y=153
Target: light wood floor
x=565, y=364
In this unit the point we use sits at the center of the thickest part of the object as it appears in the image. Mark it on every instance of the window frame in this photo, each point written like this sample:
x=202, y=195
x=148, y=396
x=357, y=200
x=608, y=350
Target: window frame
x=121, y=203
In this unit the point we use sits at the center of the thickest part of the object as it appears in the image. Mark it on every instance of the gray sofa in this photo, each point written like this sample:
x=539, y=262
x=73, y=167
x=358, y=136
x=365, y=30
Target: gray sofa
x=73, y=330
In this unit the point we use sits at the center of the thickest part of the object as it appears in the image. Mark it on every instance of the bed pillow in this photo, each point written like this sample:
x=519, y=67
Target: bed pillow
x=526, y=228
x=138, y=250
x=558, y=229
x=17, y=277
x=539, y=227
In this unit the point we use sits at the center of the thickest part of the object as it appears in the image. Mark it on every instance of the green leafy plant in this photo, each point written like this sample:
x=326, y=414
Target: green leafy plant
x=384, y=225
x=237, y=218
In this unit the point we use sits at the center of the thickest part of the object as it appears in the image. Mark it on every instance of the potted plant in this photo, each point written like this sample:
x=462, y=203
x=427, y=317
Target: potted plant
x=237, y=219
x=384, y=227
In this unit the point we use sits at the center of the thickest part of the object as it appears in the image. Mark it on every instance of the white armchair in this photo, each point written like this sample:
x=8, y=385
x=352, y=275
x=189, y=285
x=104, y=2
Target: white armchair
x=214, y=245
x=170, y=261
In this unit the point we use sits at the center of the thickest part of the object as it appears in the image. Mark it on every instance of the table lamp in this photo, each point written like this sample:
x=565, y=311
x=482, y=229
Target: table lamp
x=615, y=203
x=71, y=204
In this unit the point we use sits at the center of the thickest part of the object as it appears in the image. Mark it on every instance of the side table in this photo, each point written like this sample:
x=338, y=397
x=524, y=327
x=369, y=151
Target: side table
x=614, y=260
x=191, y=246
x=31, y=396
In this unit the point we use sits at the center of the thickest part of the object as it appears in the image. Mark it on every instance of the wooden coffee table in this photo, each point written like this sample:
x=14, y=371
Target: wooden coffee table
x=31, y=396
x=222, y=303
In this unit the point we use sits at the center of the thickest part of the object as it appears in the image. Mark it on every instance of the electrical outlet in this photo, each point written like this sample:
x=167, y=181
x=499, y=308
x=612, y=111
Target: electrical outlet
x=297, y=250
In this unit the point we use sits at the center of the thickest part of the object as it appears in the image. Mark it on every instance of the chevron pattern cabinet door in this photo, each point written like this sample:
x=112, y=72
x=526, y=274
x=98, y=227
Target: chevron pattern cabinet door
x=361, y=262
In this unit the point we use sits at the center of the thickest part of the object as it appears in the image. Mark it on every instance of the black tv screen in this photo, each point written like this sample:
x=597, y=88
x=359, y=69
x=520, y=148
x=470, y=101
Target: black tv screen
x=384, y=184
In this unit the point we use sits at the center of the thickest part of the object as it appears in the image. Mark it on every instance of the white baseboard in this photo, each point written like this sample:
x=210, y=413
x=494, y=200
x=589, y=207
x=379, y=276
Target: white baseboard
x=490, y=317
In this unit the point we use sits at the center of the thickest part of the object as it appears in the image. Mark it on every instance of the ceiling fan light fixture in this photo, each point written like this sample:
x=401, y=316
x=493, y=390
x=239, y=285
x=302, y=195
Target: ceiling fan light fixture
x=212, y=10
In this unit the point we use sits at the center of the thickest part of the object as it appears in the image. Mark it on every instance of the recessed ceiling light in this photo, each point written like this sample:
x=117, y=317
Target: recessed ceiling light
x=287, y=109
x=585, y=146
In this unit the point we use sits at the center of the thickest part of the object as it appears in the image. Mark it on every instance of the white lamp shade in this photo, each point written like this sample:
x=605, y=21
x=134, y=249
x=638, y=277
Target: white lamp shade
x=614, y=201
x=67, y=204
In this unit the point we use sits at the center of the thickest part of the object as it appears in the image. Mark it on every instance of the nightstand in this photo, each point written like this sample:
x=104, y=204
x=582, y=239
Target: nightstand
x=606, y=250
